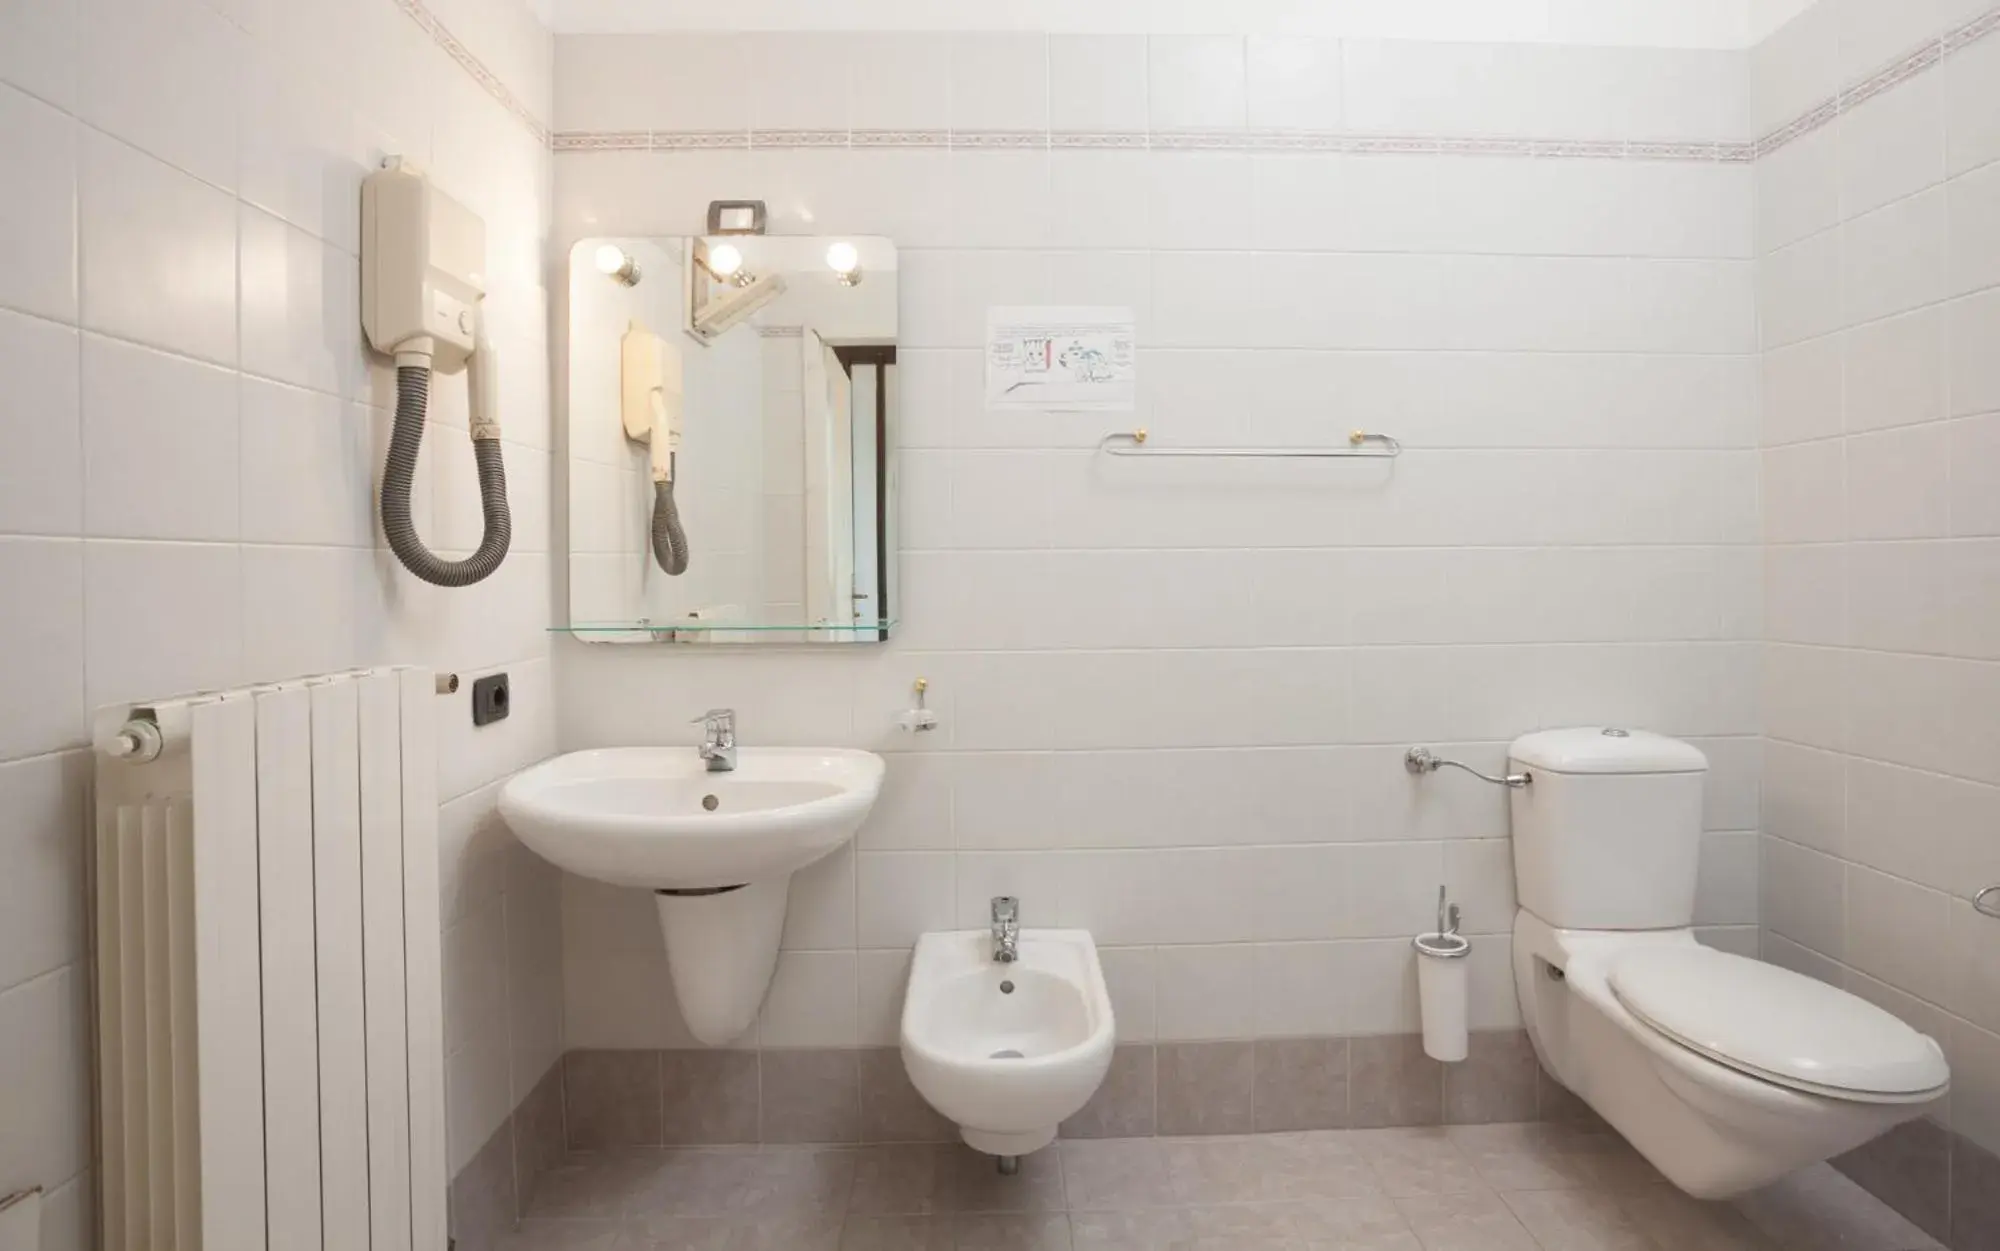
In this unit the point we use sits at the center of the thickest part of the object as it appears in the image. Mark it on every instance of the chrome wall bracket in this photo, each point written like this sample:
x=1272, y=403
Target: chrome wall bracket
x=1421, y=760
x=1987, y=902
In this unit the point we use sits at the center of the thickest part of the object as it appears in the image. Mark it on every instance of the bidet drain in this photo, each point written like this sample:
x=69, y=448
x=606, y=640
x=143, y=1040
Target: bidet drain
x=1006, y=1053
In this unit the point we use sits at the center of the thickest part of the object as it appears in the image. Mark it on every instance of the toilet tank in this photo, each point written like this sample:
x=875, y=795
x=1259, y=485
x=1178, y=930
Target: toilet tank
x=1607, y=835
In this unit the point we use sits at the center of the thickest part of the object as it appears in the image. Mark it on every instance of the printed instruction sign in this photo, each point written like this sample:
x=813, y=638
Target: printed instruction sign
x=1079, y=359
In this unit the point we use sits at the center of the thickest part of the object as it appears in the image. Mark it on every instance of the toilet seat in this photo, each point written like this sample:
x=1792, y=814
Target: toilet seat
x=1778, y=1026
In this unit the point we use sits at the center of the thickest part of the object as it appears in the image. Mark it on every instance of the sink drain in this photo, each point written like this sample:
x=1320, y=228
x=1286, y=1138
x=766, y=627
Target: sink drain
x=1007, y=1053
x=710, y=802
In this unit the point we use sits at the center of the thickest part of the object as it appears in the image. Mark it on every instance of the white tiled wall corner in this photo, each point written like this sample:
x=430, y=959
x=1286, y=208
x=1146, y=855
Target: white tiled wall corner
x=1879, y=799
x=1796, y=67
x=190, y=439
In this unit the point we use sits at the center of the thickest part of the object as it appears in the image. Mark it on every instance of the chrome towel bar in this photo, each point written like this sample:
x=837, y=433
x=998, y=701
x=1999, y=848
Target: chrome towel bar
x=1362, y=445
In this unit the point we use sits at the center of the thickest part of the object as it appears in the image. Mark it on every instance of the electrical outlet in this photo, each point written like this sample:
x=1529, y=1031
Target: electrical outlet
x=490, y=699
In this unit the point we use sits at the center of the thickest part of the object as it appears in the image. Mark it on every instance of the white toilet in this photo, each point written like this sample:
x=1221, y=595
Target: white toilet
x=1007, y=1048
x=1725, y=1072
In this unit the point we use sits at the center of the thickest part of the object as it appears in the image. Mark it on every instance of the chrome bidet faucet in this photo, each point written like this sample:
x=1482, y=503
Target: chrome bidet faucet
x=718, y=739
x=1006, y=929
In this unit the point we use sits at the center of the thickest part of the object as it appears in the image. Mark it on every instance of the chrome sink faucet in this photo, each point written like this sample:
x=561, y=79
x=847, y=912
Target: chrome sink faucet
x=1006, y=929
x=718, y=739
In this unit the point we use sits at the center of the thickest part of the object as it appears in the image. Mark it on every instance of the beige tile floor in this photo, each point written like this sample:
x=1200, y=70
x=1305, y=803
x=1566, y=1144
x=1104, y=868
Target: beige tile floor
x=1539, y=1187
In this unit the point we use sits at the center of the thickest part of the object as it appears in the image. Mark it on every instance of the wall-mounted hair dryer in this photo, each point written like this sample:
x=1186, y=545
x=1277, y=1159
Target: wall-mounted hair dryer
x=423, y=261
x=650, y=398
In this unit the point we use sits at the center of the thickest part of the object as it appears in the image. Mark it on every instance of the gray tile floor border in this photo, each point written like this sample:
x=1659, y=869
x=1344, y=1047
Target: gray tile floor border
x=1504, y=1187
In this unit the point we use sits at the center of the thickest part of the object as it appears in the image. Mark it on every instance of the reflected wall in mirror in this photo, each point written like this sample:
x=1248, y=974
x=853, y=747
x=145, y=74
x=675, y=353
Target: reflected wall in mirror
x=732, y=459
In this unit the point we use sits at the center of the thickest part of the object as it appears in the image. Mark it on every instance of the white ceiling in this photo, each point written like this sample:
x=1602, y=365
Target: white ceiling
x=1648, y=23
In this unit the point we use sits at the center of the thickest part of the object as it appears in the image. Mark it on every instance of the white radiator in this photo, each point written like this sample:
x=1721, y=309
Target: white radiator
x=269, y=999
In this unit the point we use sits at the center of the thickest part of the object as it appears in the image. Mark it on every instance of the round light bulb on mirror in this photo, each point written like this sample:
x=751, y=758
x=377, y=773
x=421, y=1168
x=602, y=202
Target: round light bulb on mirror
x=615, y=264
x=724, y=260
x=844, y=259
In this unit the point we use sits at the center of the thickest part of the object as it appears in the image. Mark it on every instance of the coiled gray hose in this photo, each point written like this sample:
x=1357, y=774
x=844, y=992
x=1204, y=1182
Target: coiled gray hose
x=413, y=391
x=670, y=542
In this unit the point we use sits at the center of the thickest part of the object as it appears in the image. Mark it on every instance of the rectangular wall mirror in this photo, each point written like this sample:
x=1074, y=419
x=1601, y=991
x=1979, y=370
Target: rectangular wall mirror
x=732, y=451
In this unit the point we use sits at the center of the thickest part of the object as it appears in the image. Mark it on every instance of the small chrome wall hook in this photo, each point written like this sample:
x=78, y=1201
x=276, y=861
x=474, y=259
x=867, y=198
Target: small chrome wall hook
x=1987, y=902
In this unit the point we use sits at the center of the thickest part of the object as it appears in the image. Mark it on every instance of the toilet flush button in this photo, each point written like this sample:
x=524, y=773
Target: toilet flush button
x=1615, y=732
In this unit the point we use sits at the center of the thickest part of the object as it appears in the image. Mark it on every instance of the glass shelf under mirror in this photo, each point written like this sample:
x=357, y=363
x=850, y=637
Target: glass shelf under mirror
x=722, y=631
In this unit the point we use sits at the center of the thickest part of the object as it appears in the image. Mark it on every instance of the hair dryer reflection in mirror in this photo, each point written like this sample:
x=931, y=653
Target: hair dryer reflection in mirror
x=652, y=400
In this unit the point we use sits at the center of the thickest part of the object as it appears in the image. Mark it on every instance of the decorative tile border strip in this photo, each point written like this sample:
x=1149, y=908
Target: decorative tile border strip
x=1929, y=56
x=700, y=140
x=1926, y=57
x=1976, y=29
x=799, y=139
x=488, y=81
x=1025, y=140
x=898, y=138
x=607, y=141
x=1180, y=141
x=1136, y=141
x=1097, y=139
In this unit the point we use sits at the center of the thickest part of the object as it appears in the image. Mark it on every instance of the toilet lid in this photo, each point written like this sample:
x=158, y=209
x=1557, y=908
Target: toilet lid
x=1776, y=1024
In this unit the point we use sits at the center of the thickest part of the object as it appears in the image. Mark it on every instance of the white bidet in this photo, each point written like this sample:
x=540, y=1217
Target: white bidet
x=1007, y=1050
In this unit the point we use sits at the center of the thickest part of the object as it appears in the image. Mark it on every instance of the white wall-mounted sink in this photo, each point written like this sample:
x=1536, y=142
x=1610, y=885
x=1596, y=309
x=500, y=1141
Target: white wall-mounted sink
x=717, y=849
x=654, y=817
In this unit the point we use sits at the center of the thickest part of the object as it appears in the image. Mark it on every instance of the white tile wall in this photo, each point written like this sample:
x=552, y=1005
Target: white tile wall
x=1294, y=84
x=1098, y=82
x=1880, y=793
x=1572, y=91
x=1643, y=23
x=1174, y=696
x=188, y=441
